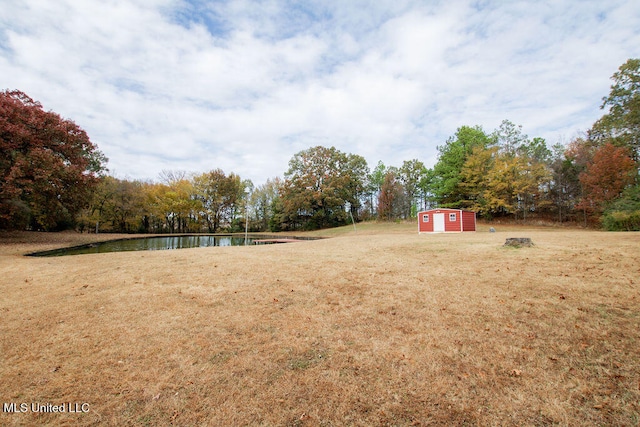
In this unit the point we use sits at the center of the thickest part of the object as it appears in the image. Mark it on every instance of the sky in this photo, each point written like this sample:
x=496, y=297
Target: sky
x=244, y=85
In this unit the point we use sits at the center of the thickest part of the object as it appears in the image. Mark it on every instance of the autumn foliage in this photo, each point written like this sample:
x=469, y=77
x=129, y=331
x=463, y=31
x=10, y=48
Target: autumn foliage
x=320, y=183
x=605, y=177
x=48, y=165
x=50, y=180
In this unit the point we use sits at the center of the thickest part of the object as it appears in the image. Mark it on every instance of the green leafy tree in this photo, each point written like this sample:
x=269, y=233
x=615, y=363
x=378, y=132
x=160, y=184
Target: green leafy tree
x=534, y=177
x=96, y=213
x=264, y=204
x=119, y=205
x=446, y=179
x=510, y=139
x=425, y=185
x=412, y=174
x=373, y=185
x=624, y=213
x=241, y=209
x=536, y=150
x=564, y=185
x=318, y=184
x=357, y=171
x=48, y=166
x=621, y=124
x=218, y=195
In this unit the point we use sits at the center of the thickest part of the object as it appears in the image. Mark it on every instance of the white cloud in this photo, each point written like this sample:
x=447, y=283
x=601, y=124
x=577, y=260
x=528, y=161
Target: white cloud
x=244, y=85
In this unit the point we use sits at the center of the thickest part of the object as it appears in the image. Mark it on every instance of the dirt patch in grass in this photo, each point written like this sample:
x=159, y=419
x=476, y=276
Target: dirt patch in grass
x=379, y=327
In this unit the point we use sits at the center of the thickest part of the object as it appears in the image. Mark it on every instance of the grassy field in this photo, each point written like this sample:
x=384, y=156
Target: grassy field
x=376, y=327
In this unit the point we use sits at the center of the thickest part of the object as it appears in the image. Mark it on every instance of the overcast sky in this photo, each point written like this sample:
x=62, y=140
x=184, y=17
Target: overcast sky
x=244, y=85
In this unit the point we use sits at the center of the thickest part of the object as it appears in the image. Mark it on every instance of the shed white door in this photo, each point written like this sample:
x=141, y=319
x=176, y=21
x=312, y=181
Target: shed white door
x=438, y=222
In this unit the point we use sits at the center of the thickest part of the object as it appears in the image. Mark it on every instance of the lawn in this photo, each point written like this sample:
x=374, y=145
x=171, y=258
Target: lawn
x=379, y=326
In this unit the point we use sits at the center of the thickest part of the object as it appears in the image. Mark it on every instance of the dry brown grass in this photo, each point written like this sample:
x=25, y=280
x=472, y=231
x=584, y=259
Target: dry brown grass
x=379, y=327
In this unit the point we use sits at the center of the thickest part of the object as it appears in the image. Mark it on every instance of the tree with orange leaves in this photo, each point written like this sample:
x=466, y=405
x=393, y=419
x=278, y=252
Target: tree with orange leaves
x=605, y=177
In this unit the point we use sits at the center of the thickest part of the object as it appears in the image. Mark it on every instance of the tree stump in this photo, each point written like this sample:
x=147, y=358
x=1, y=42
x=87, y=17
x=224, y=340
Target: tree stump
x=518, y=242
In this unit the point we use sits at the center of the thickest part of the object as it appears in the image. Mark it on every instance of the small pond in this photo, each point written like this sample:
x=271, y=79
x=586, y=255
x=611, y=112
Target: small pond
x=162, y=243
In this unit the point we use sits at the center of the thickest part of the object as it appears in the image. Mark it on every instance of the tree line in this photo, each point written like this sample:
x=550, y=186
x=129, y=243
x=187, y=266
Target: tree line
x=54, y=178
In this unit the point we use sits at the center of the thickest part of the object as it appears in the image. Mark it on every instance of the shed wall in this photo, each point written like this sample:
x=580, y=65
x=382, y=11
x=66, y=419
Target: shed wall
x=455, y=220
x=425, y=222
x=468, y=221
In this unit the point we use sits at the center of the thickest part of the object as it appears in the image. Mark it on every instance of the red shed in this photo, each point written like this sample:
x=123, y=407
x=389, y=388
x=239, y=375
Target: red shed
x=446, y=220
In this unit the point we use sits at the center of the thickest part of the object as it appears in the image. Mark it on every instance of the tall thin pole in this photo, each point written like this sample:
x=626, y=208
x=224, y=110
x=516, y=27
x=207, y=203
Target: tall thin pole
x=347, y=206
x=246, y=222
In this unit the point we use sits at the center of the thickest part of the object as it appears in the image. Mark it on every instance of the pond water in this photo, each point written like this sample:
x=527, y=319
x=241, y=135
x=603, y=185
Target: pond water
x=155, y=243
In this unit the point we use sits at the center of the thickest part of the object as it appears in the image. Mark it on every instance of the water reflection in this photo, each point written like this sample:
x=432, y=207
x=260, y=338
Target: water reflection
x=150, y=244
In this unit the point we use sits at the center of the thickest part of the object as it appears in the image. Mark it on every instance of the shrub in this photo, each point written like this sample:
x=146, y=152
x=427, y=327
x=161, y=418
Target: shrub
x=622, y=220
x=624, y=213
